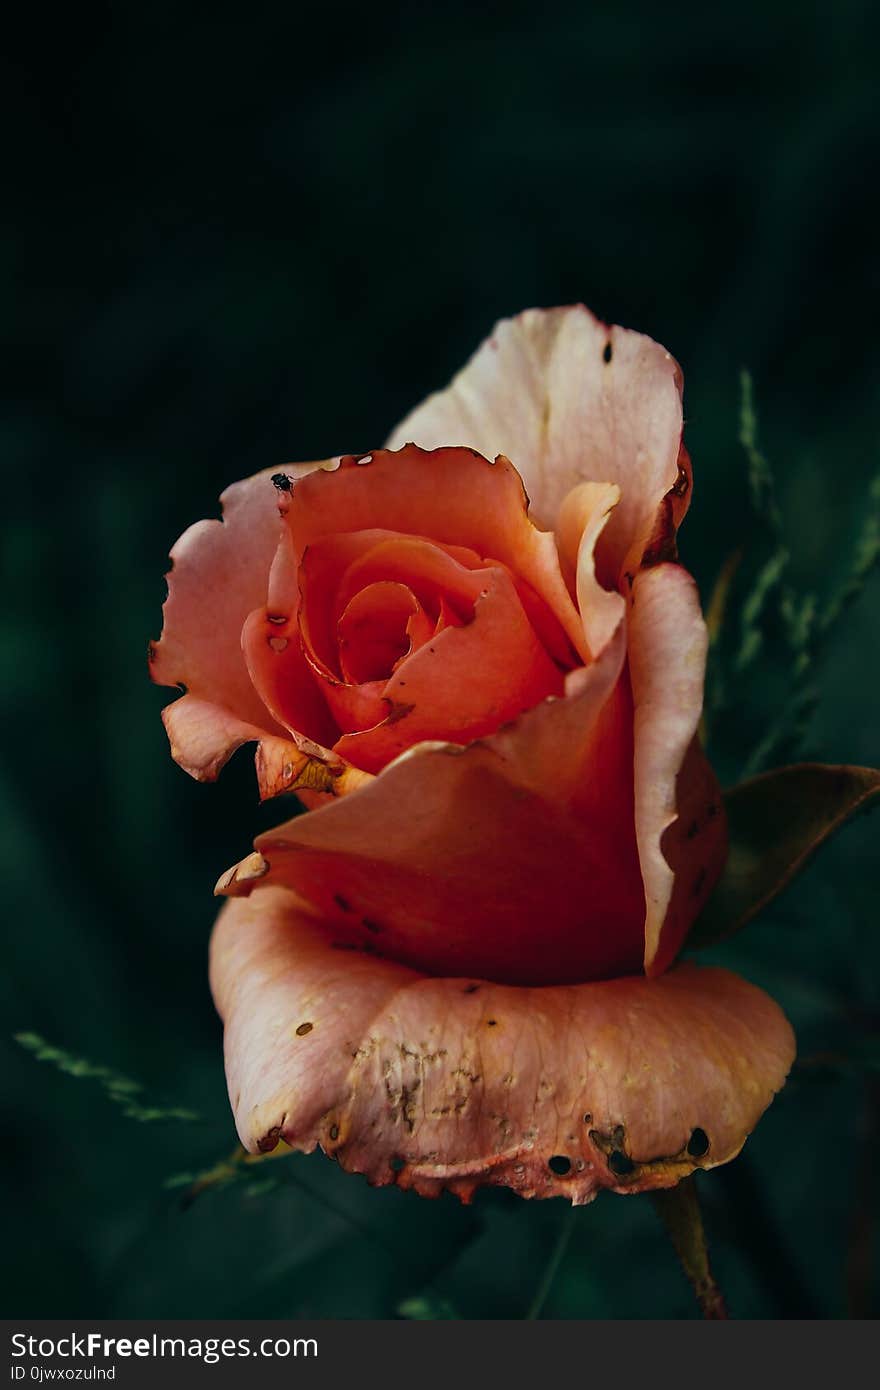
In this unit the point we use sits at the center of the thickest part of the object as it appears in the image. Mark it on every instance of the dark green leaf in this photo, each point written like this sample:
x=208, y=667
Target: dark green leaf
x=776, y=821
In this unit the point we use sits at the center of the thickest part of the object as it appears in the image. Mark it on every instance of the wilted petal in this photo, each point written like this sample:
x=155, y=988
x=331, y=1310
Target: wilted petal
x=572, y=400
x=680, y=825
x=453, y=1083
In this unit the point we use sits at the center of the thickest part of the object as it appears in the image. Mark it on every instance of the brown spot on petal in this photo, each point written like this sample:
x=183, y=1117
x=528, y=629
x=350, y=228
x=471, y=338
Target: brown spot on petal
x=398, y=711
x=303, y=1029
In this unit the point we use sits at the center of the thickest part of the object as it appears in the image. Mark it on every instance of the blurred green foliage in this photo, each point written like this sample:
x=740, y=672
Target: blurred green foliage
x=235, y=239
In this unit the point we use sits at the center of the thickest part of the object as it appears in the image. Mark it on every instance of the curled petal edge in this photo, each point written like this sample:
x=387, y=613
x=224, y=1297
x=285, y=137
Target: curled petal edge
x=433, y=1084
x=203, y=737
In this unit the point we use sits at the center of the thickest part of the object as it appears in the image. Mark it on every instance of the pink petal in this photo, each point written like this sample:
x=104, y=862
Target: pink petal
x=679, y=819
x=220, y=574
x=204, y=736
x=513, y=858
x=628, y=1084
x=571, y=400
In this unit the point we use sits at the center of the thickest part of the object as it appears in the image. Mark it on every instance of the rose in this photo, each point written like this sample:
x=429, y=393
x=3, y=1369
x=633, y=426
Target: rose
x=493, y=715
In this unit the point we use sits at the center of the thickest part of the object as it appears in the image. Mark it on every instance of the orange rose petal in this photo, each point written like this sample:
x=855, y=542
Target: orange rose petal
x=220, y=575
x=375, y=630
x=435, y=859
x=464, y=683
x=628, y=1084
x=453, y=496
x=336, y=568
x=432, y=570
x=316, y=591
x=680, y=830
x=572, y=400
x=283, y=678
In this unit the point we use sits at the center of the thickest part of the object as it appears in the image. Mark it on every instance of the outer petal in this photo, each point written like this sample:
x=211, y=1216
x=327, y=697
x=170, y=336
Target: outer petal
x=220, y=574
x=680, y=825
x=453, y=1083
x=572, y=400
x=513, y=857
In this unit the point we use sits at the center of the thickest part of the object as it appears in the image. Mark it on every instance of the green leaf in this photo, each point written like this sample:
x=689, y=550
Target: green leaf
x=776, y=821
x=121, y=1090
x=755, y=607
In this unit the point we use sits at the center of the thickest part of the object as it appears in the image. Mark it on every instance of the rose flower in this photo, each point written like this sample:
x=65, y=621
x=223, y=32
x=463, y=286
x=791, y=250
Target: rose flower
x=477, y=660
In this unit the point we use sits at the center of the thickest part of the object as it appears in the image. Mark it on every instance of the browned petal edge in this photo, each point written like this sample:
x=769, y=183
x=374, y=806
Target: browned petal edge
x=442, y=1084
x=303, y=766
x=662, y=544
x=203, y=737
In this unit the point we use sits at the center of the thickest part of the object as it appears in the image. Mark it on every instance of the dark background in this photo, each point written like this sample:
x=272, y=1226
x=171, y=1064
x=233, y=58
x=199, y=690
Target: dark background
x=236, y=239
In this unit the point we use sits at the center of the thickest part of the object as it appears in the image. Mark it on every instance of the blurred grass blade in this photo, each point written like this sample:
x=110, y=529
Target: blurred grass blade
x=866, y=557
x=761, y=486
x=754, y=609
x=776, y=821
x=121, y=1090
x=679, y=1210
